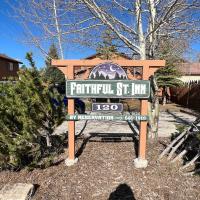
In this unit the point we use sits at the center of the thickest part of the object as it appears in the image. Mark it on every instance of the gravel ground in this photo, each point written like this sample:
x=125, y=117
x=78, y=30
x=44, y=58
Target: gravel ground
x=105, y=170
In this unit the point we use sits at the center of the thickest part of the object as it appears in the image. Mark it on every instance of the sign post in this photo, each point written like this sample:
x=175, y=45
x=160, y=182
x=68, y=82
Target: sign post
x=141, y=161
x=108, y=89
x=71, y=160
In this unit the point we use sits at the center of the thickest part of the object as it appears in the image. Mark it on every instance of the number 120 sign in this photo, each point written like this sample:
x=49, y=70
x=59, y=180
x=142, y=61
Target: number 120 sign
x=107, y=107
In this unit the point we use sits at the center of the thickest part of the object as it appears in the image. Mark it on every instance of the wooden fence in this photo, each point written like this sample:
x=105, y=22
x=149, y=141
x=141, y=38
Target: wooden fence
x=187, y=95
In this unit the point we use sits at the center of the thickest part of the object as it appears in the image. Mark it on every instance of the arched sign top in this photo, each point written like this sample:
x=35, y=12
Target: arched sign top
x=108, y=71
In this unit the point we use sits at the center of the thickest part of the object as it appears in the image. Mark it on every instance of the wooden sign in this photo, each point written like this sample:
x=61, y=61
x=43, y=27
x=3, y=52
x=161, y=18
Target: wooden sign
x=107, y=107
x=108, y=88
x=105, y=88
x=136, y=117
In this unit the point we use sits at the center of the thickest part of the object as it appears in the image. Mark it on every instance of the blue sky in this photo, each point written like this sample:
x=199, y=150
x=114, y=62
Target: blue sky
x=12, y=42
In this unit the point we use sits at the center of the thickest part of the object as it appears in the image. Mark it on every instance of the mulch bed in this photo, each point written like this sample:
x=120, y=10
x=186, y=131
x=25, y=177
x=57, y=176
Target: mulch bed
x=105, y=171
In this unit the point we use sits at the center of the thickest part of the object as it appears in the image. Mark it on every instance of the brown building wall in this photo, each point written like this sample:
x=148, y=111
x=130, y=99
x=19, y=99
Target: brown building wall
x=5, y=71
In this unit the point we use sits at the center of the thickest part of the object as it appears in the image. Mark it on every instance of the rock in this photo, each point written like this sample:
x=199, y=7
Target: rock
x=17, y=191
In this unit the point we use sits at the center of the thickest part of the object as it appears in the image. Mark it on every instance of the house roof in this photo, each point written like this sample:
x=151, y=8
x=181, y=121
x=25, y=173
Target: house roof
x=80, y=71
x=190, y=68
x=5, y=57
x=116, y=53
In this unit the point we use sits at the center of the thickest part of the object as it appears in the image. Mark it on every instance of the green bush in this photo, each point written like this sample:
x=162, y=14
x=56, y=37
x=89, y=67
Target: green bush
x=27, y=120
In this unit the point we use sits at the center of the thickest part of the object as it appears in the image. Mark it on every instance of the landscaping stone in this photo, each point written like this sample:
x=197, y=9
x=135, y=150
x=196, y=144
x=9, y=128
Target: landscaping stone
x=70, y=162
x=140, y=163
x=17, y=191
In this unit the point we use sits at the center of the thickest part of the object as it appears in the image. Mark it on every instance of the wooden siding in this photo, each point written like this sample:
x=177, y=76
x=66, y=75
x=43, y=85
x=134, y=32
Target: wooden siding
x=5, y=71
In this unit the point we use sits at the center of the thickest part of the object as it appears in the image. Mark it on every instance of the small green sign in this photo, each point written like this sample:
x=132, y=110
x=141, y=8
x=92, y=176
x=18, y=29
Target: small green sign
x=108, y=88
x=136, y=117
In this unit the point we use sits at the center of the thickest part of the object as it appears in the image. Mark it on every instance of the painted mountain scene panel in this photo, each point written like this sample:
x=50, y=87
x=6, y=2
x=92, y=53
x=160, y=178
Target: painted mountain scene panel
x=108, y=71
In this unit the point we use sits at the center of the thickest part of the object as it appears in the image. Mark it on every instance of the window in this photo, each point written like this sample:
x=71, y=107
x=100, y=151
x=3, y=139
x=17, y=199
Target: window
x=11, y=66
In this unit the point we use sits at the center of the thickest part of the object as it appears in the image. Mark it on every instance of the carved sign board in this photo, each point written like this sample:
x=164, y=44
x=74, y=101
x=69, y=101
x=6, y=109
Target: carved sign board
x=108, y=88
x=107, y=107
x=136, y=117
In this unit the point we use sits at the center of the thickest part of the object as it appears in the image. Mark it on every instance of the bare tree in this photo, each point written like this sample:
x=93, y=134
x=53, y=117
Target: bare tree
x=58, y=30
x=142, y=25
x=55, y=21
x=139, y=25
x=40, y=21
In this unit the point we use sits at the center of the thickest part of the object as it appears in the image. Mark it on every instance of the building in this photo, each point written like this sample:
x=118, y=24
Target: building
x=81, y=72
x=8, y=67
x=190, y=72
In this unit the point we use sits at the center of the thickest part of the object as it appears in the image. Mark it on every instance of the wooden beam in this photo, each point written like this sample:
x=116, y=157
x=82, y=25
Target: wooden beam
x=71, y=124
x=143, y=124
x=64, y=70
x=128, y=63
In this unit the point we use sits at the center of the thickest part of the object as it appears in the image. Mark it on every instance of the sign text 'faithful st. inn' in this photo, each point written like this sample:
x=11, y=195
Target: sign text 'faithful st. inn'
x=108, y=88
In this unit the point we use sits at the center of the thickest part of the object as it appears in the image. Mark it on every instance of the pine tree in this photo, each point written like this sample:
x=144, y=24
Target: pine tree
x=92, y=76
x=102, y=77
x=169, y=75
x=117, y=76
x=29, y=57
x=107, y=48
x=28, y=116
x=107, y=77
x=52, y=74
x=97, y=75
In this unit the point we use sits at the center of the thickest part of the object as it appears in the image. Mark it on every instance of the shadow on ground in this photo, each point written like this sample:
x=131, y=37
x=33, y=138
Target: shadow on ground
x=178, y=119
x=109, y=137
x=123, y=191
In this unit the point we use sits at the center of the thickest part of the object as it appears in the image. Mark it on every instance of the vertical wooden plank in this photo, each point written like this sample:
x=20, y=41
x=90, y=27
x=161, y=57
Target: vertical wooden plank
x=143, y=124
x=143, y=131
x=71, y=124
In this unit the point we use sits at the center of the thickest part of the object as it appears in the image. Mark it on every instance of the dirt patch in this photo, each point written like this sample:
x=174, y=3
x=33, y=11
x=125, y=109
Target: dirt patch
x=105, y=171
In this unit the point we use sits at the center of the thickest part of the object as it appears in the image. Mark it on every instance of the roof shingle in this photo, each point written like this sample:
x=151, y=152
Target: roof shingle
x=190, y=68
x=9, y=58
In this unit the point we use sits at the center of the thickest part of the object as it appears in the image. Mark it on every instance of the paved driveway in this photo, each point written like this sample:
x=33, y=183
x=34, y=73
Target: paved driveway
x=167, y=125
